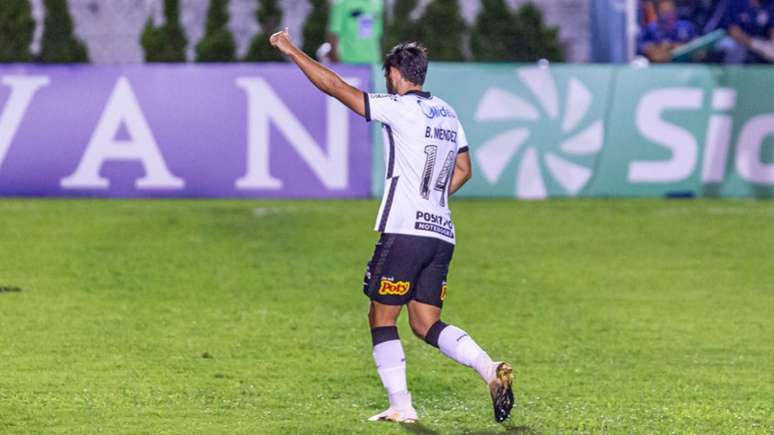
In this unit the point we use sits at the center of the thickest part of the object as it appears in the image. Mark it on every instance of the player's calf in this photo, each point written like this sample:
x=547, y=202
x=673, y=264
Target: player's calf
x=459, y=346
x=391, y=366
x=420, y=328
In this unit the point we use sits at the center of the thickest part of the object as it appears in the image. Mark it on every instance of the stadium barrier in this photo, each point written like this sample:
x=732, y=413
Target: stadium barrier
x=263, y=131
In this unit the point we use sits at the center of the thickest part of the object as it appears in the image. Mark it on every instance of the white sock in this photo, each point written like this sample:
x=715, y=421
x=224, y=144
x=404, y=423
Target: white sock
x=457, y=345
x=391, y=366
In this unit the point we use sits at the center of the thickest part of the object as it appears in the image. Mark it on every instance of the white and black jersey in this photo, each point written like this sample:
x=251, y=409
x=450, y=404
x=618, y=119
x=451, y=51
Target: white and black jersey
x=422, y=137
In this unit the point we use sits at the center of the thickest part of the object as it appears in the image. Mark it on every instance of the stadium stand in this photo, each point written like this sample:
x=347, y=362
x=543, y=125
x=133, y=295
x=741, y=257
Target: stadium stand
x=715, y=31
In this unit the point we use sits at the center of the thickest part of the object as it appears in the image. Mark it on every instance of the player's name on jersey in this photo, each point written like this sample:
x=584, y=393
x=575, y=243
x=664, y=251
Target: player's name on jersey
x=441, y=134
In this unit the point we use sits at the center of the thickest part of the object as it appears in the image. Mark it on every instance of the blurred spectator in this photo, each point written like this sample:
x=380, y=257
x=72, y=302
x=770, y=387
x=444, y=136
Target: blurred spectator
x=750, y=25
x=700, y=13
x=647, y=13
x=667, y=32
x=355, y=31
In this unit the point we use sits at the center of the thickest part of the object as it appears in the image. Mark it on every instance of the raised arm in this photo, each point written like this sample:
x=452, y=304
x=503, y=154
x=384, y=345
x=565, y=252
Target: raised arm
x=763, y=47
x=322, y=77
x=462, y=172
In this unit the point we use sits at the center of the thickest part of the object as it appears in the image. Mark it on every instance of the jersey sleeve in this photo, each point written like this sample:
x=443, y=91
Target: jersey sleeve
x=462, y=140
x=385, y=108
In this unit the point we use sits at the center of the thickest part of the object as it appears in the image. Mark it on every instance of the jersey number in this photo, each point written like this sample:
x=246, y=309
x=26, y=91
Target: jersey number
x=431, y=151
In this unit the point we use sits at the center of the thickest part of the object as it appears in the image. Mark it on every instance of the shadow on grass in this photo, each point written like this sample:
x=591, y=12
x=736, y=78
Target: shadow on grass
x=419, y=429
x=512, y=430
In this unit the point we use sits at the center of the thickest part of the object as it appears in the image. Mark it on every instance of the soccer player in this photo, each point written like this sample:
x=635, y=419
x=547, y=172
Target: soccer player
x=427, y=160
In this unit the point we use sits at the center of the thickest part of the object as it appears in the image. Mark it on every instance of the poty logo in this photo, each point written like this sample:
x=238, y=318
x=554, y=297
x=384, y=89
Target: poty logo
x=565, y=158
x=398, y=288
x=435, y=111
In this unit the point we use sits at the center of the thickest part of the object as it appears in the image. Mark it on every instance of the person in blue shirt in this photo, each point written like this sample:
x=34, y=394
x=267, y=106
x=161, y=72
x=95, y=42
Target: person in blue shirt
x=699, y=12
x=751, y=25
x=659, y=38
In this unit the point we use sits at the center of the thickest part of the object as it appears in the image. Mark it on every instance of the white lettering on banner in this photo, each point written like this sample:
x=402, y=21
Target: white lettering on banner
x=264, y=108
x=680, y=141
x=748, y=150
x=23, y=88
x=718, y=137
x=122, y=109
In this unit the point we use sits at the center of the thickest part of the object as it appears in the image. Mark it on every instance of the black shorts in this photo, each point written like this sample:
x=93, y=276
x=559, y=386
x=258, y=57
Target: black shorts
x=406, y=267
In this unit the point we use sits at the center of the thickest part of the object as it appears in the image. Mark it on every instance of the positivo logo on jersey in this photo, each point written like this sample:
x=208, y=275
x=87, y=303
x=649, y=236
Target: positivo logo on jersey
x=546, y=128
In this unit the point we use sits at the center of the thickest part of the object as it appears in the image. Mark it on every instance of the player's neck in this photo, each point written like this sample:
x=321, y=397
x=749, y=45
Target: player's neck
x=407, y=89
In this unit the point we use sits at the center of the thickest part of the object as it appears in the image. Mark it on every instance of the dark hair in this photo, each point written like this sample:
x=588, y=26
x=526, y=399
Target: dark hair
x=410, y=59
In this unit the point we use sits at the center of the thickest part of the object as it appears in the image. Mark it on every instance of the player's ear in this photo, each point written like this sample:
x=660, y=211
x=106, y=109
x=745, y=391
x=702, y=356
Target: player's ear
x=395, y=74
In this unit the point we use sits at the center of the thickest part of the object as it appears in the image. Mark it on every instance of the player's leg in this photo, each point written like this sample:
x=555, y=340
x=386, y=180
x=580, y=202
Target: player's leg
x=390, y=361
x=425, y=319
x=387, y=284
x=425, y=316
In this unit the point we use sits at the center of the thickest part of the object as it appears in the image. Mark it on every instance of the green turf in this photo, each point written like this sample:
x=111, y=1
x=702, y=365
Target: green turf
x=619, y=316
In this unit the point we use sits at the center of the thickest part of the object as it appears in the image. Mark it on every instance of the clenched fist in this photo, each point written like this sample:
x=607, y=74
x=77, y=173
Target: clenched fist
x=281, y=40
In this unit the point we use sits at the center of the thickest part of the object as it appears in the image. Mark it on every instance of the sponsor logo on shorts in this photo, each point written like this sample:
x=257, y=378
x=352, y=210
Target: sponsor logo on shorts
x=395, y=288
x=444, y=289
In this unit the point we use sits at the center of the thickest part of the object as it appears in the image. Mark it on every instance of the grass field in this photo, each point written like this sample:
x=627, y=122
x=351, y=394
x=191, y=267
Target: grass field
x=620, y=316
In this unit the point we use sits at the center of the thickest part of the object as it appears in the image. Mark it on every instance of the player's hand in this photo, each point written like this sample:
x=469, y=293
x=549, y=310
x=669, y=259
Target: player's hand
x=281, y=40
